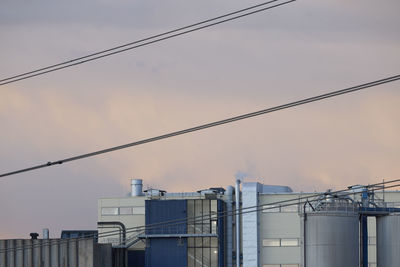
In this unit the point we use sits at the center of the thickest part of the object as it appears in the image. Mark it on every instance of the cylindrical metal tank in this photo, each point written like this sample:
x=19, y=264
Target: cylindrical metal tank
x=388, y=240
x=330, y=239
x=137, y=186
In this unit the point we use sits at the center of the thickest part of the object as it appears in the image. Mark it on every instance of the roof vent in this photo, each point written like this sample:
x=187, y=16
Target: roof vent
x=137, y=186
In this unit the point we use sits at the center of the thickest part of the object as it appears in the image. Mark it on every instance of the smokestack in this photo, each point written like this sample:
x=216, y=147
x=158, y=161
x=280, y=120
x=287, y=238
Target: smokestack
x=137, y=186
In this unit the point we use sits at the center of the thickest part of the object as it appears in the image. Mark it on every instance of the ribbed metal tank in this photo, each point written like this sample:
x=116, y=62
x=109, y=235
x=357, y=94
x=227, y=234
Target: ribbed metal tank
x=330, y=239
x=388, y=240
x=54, y=253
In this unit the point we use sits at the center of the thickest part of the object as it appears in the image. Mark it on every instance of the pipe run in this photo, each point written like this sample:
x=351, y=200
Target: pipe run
x=115, y=224
x=237, y=212
x=229, y=226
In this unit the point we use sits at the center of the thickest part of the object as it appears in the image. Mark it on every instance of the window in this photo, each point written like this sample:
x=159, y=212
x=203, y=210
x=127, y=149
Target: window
x=271, y=242
x=191, y=258
x=280, y=265
x=109, y=211
x=202, y=219
x=202, y=251
x=281, y=242
x=289, y=242
x=213, y=227
x=125, y=210
x=122, y=211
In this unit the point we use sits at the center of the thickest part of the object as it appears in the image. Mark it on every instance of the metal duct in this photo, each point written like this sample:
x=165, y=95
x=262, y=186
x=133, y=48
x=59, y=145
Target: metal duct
x=237, y=196
x=229, y=224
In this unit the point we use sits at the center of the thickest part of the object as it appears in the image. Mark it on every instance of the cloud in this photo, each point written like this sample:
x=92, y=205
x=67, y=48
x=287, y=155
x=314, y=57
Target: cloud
x=312, y=147
x=265, y=60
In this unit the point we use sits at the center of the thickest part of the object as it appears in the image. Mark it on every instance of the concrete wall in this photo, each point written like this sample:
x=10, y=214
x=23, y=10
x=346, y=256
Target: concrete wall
x=53, y=253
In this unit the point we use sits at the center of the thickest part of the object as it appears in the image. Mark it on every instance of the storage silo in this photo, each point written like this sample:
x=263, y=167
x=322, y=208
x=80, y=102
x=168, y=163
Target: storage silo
x=330, y=239
x=388, y=240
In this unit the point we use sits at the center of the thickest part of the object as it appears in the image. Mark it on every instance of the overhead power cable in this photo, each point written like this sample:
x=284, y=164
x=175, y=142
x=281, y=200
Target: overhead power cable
x=213, y=124
x=147, y=41
x=243, y=211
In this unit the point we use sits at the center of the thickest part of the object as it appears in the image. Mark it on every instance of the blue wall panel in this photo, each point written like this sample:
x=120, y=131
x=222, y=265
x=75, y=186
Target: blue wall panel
x=161, y=211
x=166, y=251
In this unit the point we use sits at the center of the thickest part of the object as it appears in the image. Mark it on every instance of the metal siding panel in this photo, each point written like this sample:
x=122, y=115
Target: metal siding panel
x=160, y=211
x=249, y=227
x=166, y=252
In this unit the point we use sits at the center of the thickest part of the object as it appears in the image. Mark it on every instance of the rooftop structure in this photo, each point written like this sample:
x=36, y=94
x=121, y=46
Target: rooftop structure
x=275, y=226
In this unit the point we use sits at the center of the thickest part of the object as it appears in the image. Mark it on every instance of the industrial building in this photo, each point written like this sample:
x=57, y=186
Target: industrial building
x=249, y=225
x=274, y=227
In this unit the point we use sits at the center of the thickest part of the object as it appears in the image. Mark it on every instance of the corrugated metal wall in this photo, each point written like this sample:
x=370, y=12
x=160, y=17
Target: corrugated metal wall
x=170, y=251
x=160, y=211
x=53, y=253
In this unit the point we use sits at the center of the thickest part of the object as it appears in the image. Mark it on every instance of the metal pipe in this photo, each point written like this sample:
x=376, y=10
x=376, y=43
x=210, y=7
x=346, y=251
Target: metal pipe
x=229, y=224
x=237, y=211
x=305, y=235
x=115, y=223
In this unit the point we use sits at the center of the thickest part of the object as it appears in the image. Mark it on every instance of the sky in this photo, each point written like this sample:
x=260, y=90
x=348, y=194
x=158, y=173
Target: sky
x=299, y=50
